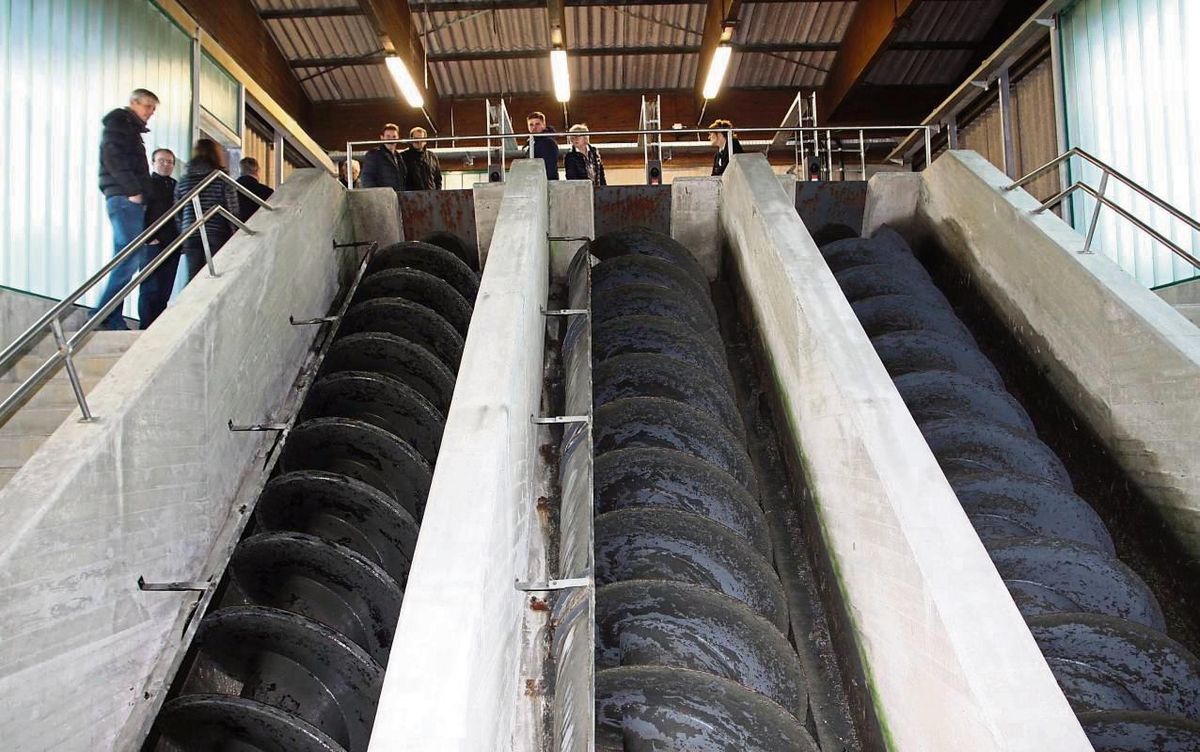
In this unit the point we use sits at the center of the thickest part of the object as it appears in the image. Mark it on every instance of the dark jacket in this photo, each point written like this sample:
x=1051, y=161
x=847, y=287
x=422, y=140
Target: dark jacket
x=424, y=172
x=159, y=199
x=124, y=170
x=721, y=158
x=247, y=206
x=217, y=192
x=383, y=168
x=576, y=165
x=545, y=148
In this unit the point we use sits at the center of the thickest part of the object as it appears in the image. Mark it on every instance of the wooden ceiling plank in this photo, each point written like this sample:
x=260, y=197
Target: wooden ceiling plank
x=871, y=29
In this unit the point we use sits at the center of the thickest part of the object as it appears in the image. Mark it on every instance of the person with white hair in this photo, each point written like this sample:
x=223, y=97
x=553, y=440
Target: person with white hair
x=125, y=182
x=583, y=161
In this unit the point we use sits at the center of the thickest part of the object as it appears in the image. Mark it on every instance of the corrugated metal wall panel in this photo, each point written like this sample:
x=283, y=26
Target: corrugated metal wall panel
x=262, y=148
x=54, y=232
x=1034, y=139
x=220, y=93
x=1132, y=102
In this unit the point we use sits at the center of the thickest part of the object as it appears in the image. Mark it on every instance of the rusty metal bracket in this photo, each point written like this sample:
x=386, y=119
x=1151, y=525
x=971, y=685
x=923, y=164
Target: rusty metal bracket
x=198, y=586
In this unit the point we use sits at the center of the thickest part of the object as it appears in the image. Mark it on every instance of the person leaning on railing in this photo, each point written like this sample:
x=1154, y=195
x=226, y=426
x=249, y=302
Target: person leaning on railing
x=719, y=138
x=207, y=155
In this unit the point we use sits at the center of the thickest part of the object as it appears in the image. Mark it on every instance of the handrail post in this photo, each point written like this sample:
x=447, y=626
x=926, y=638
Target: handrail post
x=862, y=154
x=531, y=146
x=349, y=166
x=64, y=349
x=928, y=146
x=1091, y=233
x=829, y=154
x=212, y=272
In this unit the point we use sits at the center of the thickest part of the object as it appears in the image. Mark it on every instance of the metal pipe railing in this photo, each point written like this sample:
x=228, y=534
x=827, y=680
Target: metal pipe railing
x=1102, y=200
x=800, y=131
x=51, y=321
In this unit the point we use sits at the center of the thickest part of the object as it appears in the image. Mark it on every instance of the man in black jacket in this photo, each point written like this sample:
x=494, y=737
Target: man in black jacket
x=544, y=147
x=424, y=172
x=383, y=167
x=719, y=138
x=125, y=181
x=155, y=291
x=249, y=180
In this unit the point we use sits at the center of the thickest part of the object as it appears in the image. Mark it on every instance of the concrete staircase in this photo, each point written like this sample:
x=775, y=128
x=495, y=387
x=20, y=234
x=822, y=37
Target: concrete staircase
x=46, y=410
x=1183, y=297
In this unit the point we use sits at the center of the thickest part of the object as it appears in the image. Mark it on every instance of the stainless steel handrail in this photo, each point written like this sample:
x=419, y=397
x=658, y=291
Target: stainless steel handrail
x=1102, y=201
x=51, y=322
x=560, y=135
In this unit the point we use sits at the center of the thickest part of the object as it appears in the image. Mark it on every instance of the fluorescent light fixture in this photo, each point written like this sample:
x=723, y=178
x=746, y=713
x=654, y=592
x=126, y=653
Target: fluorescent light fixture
x=562, y=79
x=404, y=79
x=716, y=71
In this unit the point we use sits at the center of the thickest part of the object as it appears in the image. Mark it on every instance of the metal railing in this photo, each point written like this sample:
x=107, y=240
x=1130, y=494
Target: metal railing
x=798, y=132
x=51, y=322
x=1102, y=201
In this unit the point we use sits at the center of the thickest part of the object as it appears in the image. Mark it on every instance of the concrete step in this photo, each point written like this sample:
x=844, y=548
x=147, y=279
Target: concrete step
x=35, y=421
x=56, y=391
x=15, y=450
x=5, y=474
x=100, y=346
x=1190, y=311
x=88, y=365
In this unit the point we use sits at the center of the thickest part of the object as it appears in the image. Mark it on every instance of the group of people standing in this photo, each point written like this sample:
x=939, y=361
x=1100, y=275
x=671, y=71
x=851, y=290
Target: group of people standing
x=136, y=197
x=582, y=162
x=412, y=169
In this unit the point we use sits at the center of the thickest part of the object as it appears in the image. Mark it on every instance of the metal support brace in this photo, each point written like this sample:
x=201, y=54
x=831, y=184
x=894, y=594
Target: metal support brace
x=359, y=244
x=565, y=238
x=64, y=347
x=1091, y=233
x=198, y=586
x=258, y=427
x=551, y=585
x=565, y=312
x=559, y=419
x=208, y=257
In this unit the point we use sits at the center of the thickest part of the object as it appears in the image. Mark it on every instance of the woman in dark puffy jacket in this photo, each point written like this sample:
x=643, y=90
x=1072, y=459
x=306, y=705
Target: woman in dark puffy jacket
x=207, y=155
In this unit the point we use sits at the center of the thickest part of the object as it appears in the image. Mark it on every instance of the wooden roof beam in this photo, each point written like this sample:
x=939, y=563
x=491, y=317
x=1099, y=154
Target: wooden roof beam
x=393, y=23
x=871, y=29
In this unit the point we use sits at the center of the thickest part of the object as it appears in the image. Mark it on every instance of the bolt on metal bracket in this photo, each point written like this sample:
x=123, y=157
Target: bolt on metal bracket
x=308, y=322
x=184, y=586
x=258, y=427
x=557, y=419
x=551, y=585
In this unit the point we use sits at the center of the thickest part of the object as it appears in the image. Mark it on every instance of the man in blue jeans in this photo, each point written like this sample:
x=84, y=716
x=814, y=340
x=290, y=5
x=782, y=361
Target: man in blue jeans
x=125, y=182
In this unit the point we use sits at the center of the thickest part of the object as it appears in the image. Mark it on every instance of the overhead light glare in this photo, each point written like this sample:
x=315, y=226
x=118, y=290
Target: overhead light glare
x=404, y=79
x=716, y=71
x=562, y=79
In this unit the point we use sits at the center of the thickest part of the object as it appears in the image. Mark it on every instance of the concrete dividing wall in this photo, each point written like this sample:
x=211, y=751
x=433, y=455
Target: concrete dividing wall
x=148, y=489
x=948, y=661
x=375, y=215
x=1126, y=361
x=570, y=216
x=695, y=221
x=453, y=678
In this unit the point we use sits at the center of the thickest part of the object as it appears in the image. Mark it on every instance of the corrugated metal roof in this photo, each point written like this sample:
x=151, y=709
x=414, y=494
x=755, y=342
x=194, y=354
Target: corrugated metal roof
x=765, y=23
x=481, y=31
x=640, y=73
x=370, y=81
x=634, y=26
x=800, y=69
x=919, y=67
x=950, y=20
x=616, y=26
x=481, y=78
x=335, y=36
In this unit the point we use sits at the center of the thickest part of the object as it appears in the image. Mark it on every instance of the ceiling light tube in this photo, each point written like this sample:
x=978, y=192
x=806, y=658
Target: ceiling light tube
x=404, y=79
x=716, y=71
x=562, y=78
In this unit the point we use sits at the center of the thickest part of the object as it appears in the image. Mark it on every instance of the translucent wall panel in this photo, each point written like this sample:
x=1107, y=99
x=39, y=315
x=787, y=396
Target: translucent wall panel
x=63, y=65
x=220, y=94
x=1133, y=100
